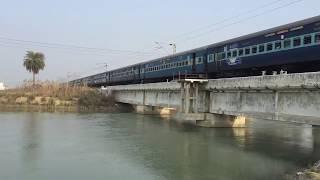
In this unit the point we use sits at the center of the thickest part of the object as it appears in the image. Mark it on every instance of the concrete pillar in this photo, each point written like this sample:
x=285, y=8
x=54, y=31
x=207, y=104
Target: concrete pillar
x=144, y=97
x=223, y=121
x=182, y=105
x=276, y=99
x=153, y=110
x=187, y=98
x=207, y=102
x=196, y=96
x=142, y=109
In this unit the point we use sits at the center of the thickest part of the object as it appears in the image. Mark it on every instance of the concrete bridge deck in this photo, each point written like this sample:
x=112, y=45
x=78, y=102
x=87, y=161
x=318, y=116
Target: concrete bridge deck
x=286, y=97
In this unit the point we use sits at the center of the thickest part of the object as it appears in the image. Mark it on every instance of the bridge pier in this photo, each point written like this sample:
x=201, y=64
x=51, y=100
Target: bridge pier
x=153, y=110
x=223, y=121
x=191, y=102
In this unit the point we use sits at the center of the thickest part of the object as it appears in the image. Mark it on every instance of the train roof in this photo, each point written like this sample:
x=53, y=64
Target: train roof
x=241, y=38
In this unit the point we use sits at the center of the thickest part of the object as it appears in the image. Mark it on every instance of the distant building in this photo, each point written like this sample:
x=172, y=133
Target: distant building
x=2, y=87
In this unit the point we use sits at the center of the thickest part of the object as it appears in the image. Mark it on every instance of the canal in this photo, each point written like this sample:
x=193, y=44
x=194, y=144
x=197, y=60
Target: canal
x=51, y=146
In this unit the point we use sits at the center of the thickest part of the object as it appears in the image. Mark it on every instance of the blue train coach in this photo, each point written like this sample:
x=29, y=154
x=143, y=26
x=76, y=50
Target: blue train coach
x=293, y=48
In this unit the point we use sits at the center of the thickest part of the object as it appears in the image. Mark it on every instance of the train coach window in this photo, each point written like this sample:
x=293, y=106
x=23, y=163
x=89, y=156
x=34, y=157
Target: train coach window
x=317, y=38
x=240, y=52
x=199, y=60
x=229, y=54
x=219, y=56
x=234, y=53
x=307, y=40
x=261, y=48
x=278, y=45
x=269, y=47
x=287, y=43
x=296, y=42
x=247, y=51
x=223, y=55
x=254, y=50
x=210, y=58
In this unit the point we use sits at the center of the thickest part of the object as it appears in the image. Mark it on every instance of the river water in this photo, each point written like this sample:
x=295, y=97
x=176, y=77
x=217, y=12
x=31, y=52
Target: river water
x=52, y=146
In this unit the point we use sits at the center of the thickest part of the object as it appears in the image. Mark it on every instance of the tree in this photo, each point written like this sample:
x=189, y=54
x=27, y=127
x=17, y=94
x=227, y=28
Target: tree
x=34, y=62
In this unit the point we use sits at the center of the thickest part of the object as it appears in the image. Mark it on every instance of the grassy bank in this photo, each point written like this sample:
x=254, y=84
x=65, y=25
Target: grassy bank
x=51, y=96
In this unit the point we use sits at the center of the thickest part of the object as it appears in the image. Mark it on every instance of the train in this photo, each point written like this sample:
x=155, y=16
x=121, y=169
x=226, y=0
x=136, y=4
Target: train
x=291, y=48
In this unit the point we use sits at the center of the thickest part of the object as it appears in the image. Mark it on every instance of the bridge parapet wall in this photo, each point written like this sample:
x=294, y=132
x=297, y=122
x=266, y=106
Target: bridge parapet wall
x=166, y=86
x=154, y=94
x=285, y=81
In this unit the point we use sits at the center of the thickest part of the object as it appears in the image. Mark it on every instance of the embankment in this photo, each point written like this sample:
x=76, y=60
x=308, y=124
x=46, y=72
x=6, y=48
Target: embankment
x=53, y=97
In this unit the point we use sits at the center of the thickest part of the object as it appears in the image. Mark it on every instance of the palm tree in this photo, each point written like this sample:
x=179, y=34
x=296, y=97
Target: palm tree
x=34, y=62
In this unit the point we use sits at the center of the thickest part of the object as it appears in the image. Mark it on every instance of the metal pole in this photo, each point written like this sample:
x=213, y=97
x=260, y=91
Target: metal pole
x=174, y=47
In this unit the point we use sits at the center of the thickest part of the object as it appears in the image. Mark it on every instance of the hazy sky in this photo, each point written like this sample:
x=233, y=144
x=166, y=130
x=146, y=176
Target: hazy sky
x=124, y=32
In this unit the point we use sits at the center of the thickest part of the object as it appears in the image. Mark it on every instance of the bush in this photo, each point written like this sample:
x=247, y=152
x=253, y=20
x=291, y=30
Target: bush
x=43, y=99
x=51, y=102
x=95, y=99
x=31, y=98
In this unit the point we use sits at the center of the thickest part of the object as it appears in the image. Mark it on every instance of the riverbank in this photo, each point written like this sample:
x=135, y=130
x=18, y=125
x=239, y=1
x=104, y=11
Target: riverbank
x=312, y=173
x=55, y=97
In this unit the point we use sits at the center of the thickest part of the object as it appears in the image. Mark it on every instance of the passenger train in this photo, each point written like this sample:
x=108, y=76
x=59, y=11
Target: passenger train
x=294, y=48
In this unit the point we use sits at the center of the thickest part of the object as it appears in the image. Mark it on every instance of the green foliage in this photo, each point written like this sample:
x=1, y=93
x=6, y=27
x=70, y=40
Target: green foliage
x=34, y=62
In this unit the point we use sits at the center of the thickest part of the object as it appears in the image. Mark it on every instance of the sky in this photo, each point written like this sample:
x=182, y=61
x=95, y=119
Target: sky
x=78, y=37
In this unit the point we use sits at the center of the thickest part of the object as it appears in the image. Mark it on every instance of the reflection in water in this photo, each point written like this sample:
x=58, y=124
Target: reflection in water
x=31, y=141
x=130, y=146
x=221, y=153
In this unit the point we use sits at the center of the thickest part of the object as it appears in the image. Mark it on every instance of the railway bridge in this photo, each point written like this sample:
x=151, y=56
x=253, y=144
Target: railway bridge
x=229, y=102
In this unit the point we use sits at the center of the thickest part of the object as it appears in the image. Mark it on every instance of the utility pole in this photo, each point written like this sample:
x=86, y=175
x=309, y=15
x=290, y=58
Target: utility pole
x=174, y=47
x=104, y=65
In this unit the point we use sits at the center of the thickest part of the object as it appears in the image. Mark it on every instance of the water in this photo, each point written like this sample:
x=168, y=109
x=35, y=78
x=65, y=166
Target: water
x=48, y=146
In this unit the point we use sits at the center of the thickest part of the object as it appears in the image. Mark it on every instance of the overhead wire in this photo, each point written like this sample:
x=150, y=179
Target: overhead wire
x=67, y=50
x=243, y=20
x=67, y=46
x=230, y=18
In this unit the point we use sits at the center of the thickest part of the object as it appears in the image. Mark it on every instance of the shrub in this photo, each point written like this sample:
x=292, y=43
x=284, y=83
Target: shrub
x=43, y=99
x=30, y=99
x=51, y=102
x=95, y=99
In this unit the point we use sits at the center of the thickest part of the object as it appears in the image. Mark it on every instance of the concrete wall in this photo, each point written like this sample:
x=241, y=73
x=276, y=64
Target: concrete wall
x=149, y=97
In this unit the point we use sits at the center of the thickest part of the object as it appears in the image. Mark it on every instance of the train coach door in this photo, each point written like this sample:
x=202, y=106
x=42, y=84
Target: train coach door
x=218, y=64
x=193, y=63
x=200, y=63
